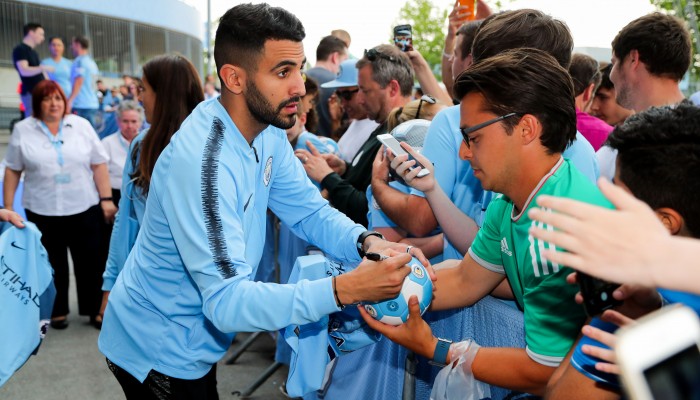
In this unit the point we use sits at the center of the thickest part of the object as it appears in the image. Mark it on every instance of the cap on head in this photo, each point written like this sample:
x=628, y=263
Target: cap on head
x=412, y=132
x=347, y=76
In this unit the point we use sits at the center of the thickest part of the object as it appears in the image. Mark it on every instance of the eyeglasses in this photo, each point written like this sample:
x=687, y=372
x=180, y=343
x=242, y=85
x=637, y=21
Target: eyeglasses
x=372, y=55
x=425, y=98
x=346, y=94
x=467, y=131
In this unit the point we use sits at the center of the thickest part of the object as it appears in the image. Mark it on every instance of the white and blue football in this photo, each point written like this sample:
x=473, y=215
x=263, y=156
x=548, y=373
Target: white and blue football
x=395, y=311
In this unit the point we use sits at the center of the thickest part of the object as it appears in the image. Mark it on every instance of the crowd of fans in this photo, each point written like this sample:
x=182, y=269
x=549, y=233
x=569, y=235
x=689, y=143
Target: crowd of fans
x=518, y=122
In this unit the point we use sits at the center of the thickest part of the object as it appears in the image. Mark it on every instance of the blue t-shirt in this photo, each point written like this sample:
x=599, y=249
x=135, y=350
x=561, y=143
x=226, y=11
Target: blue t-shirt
x=61, y=73
x=85, y=67
x=456, y=178
x=187, y=283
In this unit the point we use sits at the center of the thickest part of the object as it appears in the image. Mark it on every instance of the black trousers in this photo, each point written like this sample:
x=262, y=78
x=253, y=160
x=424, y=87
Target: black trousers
x=158, y=386
x=82, y=234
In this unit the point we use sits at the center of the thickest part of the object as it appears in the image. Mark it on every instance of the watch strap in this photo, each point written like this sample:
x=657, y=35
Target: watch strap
x=441, y=349
x=361, y=240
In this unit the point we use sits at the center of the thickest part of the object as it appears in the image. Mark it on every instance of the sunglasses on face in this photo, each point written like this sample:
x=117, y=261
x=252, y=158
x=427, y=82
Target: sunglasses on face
x=425, y=98
x=467, y=131
x=372, y=55
x=346, y=94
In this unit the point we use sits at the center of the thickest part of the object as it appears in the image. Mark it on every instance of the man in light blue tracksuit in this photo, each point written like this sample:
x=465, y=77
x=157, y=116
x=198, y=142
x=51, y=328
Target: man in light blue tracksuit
x=186, y=286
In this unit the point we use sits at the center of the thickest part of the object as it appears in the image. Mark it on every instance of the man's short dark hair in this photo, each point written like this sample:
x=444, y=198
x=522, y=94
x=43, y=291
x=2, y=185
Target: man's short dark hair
x=659, y=159
x=244, y=29
x=584, y=70
x=82, y=41
x=525, y=81
x=523, y=28
x=32, y=26
x=390, y=64
x=663, y=43
x=51, y=39
x=328, y=46
x=605, y=81
x=467, y=31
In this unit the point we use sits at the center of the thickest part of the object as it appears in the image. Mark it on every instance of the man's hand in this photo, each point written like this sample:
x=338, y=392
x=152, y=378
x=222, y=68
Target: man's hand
x=637, y=300
x=615, y=245
x=109, y=210
x=380, y=168
x=314, y=164
x=336, y=163
x=402, y=166
x=608, y=339
x=374, y=281
x=11, y=217
x=374, y=244
x=415, y=334
x=457, y=16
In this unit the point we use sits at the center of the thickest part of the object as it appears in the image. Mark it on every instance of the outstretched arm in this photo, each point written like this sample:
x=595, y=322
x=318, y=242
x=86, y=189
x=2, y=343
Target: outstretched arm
x=627, y=245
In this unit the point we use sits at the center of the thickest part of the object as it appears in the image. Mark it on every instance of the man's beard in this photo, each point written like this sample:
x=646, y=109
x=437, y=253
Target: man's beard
x=263, y=111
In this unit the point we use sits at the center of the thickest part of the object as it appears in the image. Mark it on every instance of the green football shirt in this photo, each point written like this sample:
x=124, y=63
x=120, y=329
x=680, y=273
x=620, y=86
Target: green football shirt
x=503, y=245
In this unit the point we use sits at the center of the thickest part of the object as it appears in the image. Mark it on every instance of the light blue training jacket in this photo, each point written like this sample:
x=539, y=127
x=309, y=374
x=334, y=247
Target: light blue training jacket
x=132, y=205
x=186, y=285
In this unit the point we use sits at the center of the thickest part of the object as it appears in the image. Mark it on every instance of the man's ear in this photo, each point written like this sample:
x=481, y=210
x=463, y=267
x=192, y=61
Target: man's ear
x=588, y=94
x=529, y=128
x=233, y=78
x=394, y=88
x=335, y=58
x=633, y=58
x=672, y=220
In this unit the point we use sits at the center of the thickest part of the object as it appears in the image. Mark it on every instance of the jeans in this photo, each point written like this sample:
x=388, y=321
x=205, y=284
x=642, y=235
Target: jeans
x=87, y=113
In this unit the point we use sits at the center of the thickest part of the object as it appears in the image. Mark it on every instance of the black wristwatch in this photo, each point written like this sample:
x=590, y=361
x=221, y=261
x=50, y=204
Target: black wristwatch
x=361, y=240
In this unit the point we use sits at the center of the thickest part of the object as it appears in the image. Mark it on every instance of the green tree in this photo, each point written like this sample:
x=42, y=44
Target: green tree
x=688, y=10
x=428, y=23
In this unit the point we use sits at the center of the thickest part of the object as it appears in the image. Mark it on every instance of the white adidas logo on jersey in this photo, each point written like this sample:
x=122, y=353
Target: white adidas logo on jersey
x=504, y=248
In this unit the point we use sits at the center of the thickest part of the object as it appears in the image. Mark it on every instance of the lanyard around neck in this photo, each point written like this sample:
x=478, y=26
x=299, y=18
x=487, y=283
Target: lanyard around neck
x=56, y=141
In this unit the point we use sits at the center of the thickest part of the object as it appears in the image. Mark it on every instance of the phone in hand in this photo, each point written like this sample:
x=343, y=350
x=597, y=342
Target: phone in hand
x=660, y=355
x=597, y=294
x=403, y=37
x=389, y=141
x=471, y=7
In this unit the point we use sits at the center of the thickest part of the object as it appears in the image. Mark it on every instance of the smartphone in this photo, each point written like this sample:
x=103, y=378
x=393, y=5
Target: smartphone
x=403, y=37
x=471, y=7
x=660, y=355
x=393, y=144
x=597, y=294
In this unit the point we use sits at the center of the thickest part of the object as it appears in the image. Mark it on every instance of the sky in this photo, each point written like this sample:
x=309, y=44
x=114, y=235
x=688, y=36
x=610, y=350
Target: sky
x=593, y=23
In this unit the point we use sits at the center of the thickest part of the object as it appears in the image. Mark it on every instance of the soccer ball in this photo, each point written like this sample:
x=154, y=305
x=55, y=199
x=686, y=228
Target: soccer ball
x=395, y=311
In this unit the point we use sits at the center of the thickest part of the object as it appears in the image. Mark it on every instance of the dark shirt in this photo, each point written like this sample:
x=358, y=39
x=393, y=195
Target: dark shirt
x=348, y=193
x=24, y=52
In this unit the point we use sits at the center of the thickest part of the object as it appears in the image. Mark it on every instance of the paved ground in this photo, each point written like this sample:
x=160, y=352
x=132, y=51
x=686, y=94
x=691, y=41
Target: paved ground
x=69, y=366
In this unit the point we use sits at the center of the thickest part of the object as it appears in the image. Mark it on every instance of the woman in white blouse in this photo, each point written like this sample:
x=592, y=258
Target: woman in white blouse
x=66, y=194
